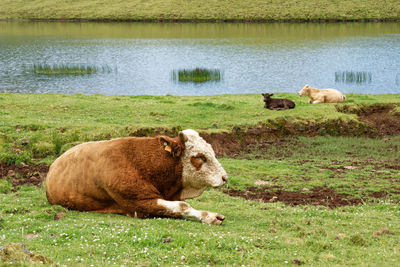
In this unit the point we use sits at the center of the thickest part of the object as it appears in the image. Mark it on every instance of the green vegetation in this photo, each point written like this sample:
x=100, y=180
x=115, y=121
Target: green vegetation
x=196, y=75
x=253, y=233
x=353, y=77
x=37, y=128
x=66, y=69
x=358, y=166
x=192, y=10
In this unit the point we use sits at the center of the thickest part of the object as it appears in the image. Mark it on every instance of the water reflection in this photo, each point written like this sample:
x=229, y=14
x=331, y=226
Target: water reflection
x=358, y=77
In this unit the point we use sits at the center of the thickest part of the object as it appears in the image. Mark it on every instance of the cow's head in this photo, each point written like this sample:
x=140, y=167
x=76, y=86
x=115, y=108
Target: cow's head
x=305, y=90
x=200, y=167
x=267, y=97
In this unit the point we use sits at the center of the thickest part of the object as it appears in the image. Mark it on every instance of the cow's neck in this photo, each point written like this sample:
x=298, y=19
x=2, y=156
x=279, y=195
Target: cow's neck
x=190, y=192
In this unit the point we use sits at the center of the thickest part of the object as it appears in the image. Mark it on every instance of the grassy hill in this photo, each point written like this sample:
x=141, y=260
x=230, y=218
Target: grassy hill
x=192, y=10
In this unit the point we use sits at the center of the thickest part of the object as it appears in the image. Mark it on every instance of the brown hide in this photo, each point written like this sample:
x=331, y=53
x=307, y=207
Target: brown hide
x=277, y=103
x=118, y=176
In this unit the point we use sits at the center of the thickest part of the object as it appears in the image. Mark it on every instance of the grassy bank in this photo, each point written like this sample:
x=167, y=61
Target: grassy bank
x=39, y=127
x=214, y=10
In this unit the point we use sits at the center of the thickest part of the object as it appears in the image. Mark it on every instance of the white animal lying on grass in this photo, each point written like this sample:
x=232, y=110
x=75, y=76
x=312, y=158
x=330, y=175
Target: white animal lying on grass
x=322, y=95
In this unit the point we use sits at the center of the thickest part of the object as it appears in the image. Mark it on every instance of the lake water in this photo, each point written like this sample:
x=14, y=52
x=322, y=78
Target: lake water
x=251, y=58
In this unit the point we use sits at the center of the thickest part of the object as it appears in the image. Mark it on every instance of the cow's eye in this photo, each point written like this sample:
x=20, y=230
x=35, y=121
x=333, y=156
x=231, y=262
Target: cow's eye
x=198, y=160
x=202, y=157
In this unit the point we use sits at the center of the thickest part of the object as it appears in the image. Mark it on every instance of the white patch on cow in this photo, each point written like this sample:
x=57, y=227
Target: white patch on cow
x=187, y=212
x=211, y=173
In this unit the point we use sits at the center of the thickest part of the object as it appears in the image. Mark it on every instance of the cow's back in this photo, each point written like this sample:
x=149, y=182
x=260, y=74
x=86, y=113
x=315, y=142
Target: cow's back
x=332, y=95
x=75, y=177
x=83, y=177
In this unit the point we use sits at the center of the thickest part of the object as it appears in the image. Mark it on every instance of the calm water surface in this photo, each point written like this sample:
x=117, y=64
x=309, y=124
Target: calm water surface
x=252, y=58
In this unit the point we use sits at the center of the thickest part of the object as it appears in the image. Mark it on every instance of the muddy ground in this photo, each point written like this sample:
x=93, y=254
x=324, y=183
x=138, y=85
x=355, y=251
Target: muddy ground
x=319, y=196
x=24, y=174
x=374, y=121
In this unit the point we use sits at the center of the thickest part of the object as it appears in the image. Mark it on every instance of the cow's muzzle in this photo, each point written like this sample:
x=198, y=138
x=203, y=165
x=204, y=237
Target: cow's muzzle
x=224, y=179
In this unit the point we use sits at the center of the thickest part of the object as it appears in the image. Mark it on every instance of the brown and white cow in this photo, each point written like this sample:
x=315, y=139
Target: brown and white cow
x=137, y=176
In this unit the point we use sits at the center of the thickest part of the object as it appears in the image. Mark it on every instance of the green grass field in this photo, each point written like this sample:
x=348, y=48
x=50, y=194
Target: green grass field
x=37, y=128
x=213, y=10
x=253, y=233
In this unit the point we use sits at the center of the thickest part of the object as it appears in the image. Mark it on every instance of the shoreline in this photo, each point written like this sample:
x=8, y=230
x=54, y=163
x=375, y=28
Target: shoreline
x=82, y=20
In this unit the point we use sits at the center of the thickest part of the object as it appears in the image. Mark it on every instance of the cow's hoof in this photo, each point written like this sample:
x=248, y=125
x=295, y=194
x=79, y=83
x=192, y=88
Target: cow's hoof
x=218, y=219
x=213, y=218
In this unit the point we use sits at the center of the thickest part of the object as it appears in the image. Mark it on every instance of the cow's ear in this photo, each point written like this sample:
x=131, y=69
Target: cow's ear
x=172, y=145
x=182, y=136
x=271, y=94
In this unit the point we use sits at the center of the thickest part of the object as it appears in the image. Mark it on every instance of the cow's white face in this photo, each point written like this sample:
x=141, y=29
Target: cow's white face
x=305, y=90
x=200, y=167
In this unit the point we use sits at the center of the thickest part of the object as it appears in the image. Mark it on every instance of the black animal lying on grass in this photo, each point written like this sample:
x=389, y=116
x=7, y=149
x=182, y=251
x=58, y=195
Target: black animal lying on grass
x=277, y=103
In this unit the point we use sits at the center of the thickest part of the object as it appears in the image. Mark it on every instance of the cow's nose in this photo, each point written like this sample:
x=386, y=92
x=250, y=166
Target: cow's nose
x=225, y=179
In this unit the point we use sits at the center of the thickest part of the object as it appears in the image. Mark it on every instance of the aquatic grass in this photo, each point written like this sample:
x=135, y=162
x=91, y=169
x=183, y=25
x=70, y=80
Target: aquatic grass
x=67, y=69
x=358, y=77
x=197, y=75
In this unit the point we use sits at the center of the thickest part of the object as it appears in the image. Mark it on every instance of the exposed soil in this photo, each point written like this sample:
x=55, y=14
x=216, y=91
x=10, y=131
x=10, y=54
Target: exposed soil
x=317, y=196
x=375, y=121
x=24, y=174
x=381, y=118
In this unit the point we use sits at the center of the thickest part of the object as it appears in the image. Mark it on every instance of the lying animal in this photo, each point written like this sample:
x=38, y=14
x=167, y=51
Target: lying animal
x=277, y=103
x=137, y=176
x=322, y=95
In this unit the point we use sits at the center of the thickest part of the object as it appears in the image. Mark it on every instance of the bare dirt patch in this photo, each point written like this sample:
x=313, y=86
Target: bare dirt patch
x=316, y=196
x=374, y=121
x=382, y=119
x=24, y=174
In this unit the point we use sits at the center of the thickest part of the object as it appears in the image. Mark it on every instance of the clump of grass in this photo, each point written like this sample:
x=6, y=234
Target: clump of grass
x=73, y=69
x=196, y=75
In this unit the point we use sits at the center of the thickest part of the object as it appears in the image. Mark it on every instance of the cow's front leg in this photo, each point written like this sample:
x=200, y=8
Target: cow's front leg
x=316, y=101
x=182, y=209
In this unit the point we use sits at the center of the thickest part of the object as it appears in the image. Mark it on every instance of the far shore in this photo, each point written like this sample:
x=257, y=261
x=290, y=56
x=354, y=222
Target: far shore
x=195, y=11
x=82, y=20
